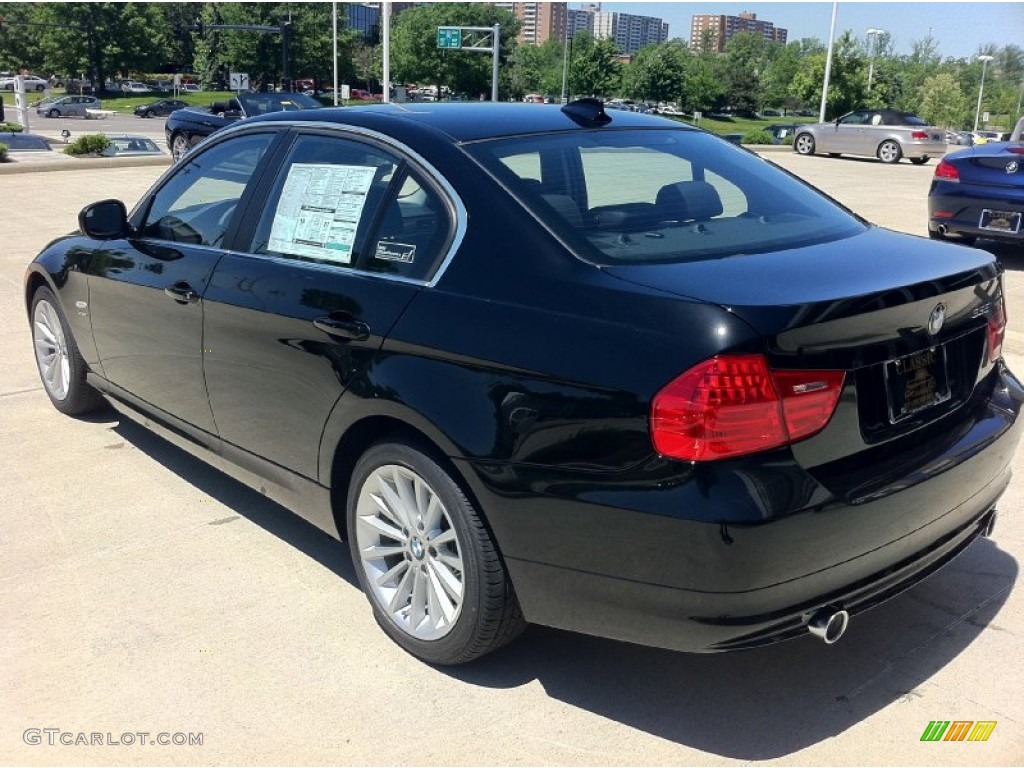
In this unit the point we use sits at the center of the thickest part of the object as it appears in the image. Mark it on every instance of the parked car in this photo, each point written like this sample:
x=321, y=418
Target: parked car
x=960, y=138
x=984, y=137
x=68, y=106
x=187, y=127
x=134, y=87
x=32, y=83
x=780, y=131
x=691, y=403
x=883, y=133
x=771, y=113
x=190, y=88
x=162, y=108
x=979, y=192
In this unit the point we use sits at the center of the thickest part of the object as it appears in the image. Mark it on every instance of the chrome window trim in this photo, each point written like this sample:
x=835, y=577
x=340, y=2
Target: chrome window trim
x=461, y=215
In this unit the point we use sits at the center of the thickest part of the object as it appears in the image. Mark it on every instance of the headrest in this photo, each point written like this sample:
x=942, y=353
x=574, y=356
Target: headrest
x=690, y=201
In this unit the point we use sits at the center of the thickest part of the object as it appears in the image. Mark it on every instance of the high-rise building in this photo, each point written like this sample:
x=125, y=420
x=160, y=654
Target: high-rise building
x=722, y=27
x=629, y=31
x=364, y=18
x=540, y=21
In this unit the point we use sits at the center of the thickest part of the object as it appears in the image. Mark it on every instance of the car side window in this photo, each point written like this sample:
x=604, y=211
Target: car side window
x=854, y=118
x=342, y=202
x=197, y=205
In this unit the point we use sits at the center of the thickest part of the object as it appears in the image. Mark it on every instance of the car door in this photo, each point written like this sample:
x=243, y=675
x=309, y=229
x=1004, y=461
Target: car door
x=848, y=136
x=350, y=231
x=146, y=291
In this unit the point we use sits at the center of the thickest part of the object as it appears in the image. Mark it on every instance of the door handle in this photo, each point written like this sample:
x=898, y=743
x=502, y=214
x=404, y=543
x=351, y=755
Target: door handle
x=182, y=292
x=343, y=326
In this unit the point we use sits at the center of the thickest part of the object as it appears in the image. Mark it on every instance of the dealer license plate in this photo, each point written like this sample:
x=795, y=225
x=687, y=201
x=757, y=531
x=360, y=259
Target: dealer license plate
x=916, y=382
x=1000, y=221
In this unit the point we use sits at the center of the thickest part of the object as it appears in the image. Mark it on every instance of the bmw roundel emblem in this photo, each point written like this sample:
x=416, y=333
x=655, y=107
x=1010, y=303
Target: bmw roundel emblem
x=936, y=319
x=1012, y=166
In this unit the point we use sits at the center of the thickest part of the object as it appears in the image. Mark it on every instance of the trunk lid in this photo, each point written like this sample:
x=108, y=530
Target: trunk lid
x=987, y=165
x=865, y=305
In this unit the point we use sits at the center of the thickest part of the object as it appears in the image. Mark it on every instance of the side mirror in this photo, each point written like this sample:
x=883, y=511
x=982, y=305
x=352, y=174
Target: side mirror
x=105, y=220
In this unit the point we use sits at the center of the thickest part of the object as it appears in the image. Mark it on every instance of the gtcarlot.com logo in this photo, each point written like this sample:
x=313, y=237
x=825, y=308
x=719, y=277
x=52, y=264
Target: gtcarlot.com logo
x=58, y=737
x=958, y=730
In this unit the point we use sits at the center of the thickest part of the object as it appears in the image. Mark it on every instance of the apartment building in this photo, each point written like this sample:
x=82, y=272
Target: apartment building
x=540, y=21
x=724, y=27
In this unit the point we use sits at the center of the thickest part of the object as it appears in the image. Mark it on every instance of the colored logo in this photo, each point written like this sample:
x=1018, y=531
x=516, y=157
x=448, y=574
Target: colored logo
x=937, y=319
x=1012, y=166
x=958, y=730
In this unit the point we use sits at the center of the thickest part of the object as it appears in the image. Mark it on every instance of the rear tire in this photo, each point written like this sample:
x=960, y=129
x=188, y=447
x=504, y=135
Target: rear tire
x=60, y=364
x=426, y=560
x=804, y=144
x=919, y=160
x=889, y=152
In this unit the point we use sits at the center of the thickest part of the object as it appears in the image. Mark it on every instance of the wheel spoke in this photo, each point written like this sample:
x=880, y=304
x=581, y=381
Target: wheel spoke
x=44, y=329
x=385, y=578
x=381, y=527
x=389, y=513
x=418, y=602
x=398, y=510
x=379, y=552
x=446, y=537
x=432, y=518
x=403, y=485
x=447, y=579
x=452, y=561
x=442, y=598
x=401, y=597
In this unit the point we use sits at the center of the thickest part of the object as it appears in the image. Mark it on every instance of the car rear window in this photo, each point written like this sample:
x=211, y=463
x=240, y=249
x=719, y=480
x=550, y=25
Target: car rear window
x=636, y=196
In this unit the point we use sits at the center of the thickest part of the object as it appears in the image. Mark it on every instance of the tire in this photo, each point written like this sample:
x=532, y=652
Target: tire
x=148, y=113
x=53, y=113
x=919, y=160
x=804, y=144
x=60, y=364
x=426, y=560
x=835, y=154
x=889, y=152
x=180, y=145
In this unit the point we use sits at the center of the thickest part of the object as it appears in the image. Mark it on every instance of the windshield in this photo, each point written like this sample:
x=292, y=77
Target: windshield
x=262, y=103
x=656, y=196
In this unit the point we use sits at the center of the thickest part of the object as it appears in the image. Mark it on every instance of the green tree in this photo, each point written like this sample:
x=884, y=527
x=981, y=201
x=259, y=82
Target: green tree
x=658, y=72
x=594, y=69
x=745, y=59
x=847, y=82
x=943, y=102
x=415, y=56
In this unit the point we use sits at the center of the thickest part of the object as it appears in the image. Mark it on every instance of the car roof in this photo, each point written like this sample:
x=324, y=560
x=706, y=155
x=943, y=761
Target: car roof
x=466, y=121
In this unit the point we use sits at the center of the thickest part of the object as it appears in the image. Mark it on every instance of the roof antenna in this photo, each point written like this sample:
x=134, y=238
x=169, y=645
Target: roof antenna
x=589, y=112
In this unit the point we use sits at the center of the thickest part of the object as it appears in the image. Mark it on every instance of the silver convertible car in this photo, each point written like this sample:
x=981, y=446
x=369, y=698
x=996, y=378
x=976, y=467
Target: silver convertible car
x=883, y=133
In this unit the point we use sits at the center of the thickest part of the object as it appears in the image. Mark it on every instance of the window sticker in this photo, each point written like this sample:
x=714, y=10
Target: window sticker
x=319, y=211
x=389, y=251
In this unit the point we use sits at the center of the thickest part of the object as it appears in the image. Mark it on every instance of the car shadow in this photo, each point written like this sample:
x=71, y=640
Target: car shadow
x=1010, y=256
x=748, y=705
x=241, y=499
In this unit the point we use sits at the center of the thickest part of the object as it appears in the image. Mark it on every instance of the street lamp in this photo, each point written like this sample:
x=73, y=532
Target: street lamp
x=565, y=66
x=984, y=59
x=873, y=33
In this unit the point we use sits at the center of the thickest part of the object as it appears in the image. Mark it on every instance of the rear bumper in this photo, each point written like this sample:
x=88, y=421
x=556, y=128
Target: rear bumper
x=966, y=204
x=924, y=148
x=664, y=577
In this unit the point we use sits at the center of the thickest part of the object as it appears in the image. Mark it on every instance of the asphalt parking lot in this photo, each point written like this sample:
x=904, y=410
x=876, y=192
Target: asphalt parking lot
x=143, y=592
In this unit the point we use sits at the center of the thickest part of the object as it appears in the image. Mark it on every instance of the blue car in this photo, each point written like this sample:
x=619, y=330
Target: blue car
x=979, y=192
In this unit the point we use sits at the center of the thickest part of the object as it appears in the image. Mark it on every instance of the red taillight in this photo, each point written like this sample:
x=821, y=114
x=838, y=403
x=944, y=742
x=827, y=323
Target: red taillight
x=735, y=404
x=996, y=331
x=946, y=171
x=919, y=135
x=1016, y=150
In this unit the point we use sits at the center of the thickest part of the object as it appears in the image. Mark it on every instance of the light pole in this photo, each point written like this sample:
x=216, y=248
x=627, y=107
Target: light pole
x=984, y=59
x=873, y=36
x=828, y=61
x=565, y=67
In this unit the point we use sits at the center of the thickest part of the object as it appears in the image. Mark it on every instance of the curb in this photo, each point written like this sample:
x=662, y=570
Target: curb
x=65, y=163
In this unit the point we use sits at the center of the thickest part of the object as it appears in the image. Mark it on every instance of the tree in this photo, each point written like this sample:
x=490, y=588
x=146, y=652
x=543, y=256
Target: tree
x=658, y=72
x=415, y=56
x=943, y=103
x=593, y=68
x=847, y=81
x=745, y=59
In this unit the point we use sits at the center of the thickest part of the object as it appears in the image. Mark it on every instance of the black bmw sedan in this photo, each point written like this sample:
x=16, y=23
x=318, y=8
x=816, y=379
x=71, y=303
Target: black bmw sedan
x=597, y=371
x=160, y=108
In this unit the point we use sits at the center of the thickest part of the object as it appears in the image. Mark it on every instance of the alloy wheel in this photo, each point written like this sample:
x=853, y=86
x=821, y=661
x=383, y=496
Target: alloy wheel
x=409, y=552
x=51, y=350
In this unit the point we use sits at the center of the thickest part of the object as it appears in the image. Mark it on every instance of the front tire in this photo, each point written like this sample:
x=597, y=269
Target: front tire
x=889, y=152
x=61, y=367
x=425, y=559
x=804, y=144
x=919, y=160
x=53, y=113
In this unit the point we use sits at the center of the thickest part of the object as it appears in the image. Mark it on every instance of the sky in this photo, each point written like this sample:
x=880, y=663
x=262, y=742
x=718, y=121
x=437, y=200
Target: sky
x=959, y=26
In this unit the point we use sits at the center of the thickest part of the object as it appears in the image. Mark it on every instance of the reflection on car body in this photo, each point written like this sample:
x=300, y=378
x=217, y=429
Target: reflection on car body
x=599, y=371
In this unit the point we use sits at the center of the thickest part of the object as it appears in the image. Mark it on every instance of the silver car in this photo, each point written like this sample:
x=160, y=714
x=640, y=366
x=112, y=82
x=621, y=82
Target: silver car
x=69, y=106
x=883, y=133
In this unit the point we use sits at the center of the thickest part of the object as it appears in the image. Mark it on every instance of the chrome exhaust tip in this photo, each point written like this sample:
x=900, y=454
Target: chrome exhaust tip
x=829, y=624
x=942, y=229
x=990, y=526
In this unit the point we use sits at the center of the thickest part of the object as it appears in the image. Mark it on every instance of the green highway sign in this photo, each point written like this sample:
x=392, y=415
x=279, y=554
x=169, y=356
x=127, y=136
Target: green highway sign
x=449, y=37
